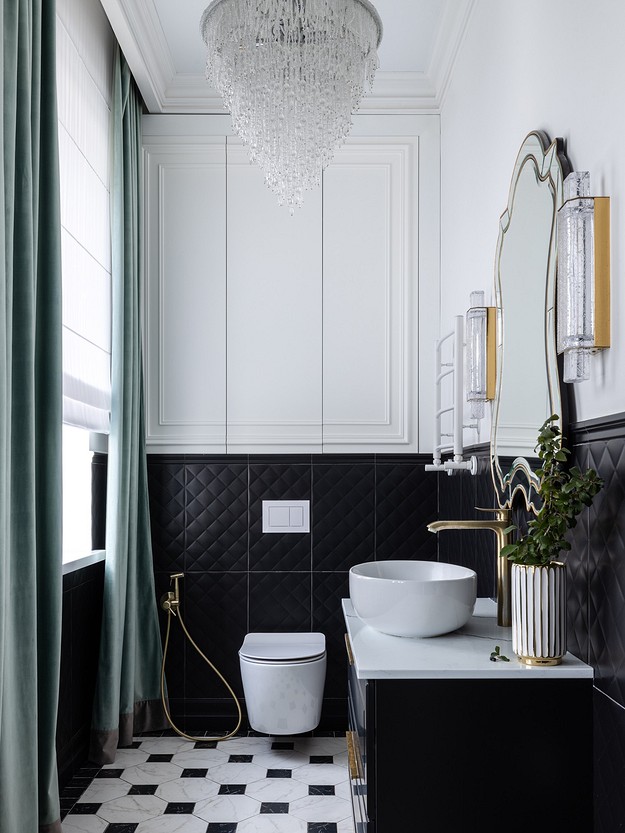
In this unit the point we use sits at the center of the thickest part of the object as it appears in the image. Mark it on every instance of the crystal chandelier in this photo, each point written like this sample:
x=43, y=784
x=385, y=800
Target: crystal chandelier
x=291, y=73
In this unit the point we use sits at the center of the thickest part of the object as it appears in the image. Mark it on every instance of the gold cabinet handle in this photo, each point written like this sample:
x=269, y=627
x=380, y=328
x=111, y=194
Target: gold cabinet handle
x=352, y=758
x=350, y=653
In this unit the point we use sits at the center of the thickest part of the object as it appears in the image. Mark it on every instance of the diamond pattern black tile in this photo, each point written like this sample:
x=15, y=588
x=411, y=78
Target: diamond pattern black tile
x=271, y=551
x=577, y=575
x=328, y=590
x=215, y=613
x=216, y=507
x=344, y=515
x=167, y=518
x=606, y=612
x=280, y=602
x=174, y=665
x=407, y=501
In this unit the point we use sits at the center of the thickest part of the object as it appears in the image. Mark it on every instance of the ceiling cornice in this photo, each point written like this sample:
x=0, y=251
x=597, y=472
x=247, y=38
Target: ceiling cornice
x=140, y=35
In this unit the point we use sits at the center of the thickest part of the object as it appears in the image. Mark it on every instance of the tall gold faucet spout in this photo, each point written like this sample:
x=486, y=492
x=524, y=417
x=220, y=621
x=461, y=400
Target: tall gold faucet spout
x=498, y=525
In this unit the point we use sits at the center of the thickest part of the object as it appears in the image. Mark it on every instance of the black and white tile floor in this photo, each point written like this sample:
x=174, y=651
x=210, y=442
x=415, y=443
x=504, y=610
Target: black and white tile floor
x=244, y=785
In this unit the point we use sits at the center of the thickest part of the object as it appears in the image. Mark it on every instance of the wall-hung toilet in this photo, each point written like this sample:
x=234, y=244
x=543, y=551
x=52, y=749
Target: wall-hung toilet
x=283, y=678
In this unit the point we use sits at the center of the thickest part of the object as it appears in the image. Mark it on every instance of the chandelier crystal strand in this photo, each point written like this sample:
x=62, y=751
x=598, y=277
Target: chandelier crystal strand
x=291, y=73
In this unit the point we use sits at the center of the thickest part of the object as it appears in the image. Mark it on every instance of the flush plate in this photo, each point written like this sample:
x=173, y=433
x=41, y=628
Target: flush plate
x=286, y=516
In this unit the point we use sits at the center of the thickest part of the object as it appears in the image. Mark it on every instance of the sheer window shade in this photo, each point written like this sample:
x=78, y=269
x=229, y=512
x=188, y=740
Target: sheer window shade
x=85, y=47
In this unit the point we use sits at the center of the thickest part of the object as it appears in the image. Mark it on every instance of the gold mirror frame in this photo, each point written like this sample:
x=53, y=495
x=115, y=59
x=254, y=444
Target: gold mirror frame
x=550, y=166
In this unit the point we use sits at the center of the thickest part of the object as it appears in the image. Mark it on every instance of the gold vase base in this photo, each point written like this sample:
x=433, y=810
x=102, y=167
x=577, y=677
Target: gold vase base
x=542, y=662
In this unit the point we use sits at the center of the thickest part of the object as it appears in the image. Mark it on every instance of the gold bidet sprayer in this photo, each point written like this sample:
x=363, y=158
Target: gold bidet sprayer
x=170, y=602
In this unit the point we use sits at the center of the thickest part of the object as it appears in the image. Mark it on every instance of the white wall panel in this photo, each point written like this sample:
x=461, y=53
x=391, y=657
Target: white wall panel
x=368, y=294
x=186, y=298
x=274, y=314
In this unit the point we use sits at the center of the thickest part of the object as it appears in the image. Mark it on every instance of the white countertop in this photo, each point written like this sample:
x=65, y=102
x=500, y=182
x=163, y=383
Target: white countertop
x=464, y=654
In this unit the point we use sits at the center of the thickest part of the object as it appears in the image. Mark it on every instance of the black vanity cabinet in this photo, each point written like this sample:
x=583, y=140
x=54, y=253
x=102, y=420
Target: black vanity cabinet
x=497, y=754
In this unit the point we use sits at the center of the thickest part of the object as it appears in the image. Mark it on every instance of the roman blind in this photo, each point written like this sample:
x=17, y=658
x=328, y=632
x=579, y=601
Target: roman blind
x=85, y=48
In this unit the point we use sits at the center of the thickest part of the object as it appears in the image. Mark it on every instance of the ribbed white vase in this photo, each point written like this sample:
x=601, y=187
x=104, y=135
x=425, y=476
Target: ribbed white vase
x=539, y=613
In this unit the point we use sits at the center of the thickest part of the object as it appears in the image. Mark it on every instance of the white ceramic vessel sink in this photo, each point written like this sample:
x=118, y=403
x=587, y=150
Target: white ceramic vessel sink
x=413, y=598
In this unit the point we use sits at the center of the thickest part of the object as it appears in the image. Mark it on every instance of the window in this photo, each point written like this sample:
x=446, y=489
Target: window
x=85, y=51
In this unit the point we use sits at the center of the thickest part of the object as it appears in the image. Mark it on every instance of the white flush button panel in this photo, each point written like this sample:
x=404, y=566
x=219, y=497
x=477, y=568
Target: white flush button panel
x=286, y=516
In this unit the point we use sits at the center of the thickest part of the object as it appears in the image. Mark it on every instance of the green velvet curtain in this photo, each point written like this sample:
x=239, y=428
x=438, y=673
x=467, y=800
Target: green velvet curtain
x=128, y=688
x=30, y=420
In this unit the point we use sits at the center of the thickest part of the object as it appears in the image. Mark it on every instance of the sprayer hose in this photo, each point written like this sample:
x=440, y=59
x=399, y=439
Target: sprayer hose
x=210, y=664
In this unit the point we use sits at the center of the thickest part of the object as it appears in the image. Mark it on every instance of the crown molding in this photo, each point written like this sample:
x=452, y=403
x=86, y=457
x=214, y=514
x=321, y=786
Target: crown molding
x=142, y=40
x=392, y=92
x=448, y=42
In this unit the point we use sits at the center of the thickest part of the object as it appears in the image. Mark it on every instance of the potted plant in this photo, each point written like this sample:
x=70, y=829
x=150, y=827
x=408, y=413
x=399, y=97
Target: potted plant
x=538, y=577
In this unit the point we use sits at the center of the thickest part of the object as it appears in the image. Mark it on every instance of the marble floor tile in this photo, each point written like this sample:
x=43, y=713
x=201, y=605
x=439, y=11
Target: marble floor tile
x=187, y=789
x=246, y=785
x=132, y=808
x=227, y=808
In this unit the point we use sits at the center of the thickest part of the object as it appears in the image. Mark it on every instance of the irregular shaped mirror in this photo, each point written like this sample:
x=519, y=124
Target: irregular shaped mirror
x=528, y=387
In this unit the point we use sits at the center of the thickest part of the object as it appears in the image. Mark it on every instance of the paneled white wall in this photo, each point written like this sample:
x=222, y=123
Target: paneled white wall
x=558, y=67
x=272, y=332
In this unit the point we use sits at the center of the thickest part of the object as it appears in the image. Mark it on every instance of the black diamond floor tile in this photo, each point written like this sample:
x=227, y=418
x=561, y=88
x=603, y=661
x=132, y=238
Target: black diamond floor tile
x=143, y=789
x=274, y=807
x=321, y=789
x=179, y=808
x=232, y=789
x=279, y=773
x=85, y=809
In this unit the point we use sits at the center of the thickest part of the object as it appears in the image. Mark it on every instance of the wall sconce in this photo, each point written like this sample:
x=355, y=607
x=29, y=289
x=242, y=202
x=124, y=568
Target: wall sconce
x=583, y=284
x=481, y=346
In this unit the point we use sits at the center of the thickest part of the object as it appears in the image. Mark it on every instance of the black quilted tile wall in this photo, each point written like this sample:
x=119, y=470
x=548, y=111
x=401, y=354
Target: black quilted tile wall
x=460, y=497
x=216, y=516
x=343, y=513
x=277, y=480
x=206, y=515
x=407, y=500
x=606, y=586
x=596, y=608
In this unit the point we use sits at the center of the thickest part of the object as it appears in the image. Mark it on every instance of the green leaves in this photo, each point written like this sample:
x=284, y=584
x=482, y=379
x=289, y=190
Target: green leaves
x=564, y=494
x=497, y=656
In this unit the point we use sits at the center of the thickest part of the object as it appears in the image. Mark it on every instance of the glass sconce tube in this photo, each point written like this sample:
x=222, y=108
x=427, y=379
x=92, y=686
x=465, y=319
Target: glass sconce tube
x=583, y=283
x=480, y=355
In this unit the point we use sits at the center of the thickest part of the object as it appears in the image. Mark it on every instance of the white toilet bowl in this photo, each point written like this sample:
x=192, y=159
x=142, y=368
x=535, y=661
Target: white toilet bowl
x=283, y=678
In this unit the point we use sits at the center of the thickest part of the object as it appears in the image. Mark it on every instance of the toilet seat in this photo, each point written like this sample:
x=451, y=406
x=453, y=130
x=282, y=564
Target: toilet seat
x=283, y=647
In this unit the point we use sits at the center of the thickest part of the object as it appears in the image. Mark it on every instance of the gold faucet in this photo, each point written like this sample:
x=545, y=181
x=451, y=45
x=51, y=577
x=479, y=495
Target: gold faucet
x=498, y=525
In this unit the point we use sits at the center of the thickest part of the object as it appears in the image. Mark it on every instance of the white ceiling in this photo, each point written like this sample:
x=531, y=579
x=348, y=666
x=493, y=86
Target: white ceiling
x=162, y=43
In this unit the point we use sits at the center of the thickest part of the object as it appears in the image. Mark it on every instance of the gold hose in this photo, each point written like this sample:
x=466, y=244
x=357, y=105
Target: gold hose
x=171, y=604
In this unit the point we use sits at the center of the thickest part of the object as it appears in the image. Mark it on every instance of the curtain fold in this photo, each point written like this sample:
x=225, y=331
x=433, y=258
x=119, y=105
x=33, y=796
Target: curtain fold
x=30, y=420
x=128, y=688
